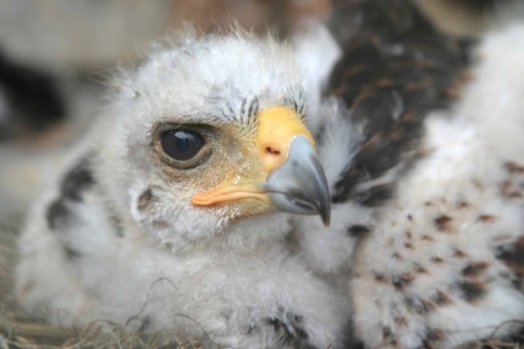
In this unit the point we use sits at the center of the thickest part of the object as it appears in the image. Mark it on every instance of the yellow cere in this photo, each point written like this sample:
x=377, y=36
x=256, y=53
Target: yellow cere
x=277, y=127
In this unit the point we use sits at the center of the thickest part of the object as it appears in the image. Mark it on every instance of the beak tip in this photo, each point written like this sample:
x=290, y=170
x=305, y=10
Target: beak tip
x=299, y=185
x=325, y=215
x=326, y=220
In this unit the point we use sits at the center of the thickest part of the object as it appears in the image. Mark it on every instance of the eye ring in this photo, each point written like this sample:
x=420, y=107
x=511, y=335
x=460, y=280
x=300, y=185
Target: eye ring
x=182, y=146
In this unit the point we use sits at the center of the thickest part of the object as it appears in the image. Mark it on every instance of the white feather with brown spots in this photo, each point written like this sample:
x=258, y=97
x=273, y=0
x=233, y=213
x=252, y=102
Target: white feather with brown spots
x=429, y=273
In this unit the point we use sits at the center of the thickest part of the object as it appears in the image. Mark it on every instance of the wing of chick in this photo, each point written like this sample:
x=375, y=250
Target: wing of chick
x=438, y=260
x=451, y=262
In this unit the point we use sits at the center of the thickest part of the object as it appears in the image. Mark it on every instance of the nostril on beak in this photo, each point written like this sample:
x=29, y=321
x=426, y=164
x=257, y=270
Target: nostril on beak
x=272, y=151
x=272, y=156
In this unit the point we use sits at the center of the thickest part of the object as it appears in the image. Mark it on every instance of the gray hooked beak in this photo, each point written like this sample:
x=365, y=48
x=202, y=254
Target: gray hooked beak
x=299, y=185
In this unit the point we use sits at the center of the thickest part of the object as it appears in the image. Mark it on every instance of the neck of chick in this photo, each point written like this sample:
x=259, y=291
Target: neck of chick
x=248, y=236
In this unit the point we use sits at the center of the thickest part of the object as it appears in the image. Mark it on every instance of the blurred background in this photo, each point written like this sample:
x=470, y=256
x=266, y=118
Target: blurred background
x=56, y=57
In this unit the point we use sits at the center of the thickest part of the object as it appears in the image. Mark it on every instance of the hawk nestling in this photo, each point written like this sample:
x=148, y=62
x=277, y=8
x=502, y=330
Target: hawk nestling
x=186, y=208
x=174, y=215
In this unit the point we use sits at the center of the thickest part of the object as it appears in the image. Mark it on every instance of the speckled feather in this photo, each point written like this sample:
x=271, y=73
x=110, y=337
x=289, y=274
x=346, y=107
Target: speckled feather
x=428, y=207
x=440, y=263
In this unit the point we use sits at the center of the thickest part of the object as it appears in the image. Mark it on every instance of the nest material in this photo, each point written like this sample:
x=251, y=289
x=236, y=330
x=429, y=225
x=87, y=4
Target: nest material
x=19, y=330
x=16, y=334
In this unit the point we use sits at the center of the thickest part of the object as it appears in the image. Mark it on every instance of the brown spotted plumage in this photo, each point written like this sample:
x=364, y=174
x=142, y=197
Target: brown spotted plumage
x=444, y=262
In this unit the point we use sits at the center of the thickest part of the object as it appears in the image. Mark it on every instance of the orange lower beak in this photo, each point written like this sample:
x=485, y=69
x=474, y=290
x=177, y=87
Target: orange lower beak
x=229, y=194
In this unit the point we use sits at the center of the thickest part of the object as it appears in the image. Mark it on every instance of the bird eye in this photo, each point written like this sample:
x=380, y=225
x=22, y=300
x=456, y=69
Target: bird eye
x=181, y=144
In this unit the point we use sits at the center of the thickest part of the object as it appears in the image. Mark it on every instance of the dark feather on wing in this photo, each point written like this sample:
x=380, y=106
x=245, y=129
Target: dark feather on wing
x=395, y=68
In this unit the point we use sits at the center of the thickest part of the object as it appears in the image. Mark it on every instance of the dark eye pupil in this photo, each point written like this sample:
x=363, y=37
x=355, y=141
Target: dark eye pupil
x=181, y=144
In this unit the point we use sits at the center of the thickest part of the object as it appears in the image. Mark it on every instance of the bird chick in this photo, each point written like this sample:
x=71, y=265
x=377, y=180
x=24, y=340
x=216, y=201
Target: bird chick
x=174, y=215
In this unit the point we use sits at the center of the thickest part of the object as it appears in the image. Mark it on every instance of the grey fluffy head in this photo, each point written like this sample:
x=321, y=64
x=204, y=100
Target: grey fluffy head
x=218, y=81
